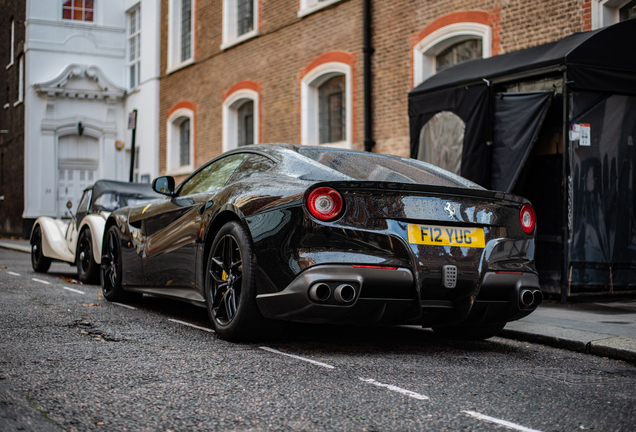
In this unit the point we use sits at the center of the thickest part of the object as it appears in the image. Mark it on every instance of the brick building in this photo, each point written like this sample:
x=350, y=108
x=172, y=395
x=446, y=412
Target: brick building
x=251, y=71
x=12, y=117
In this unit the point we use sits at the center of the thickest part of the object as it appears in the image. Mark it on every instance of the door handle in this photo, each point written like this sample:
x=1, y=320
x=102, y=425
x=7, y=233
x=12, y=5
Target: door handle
x=206, y=206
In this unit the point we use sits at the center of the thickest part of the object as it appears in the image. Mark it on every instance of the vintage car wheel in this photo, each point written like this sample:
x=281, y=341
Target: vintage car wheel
x=230, y=288
x=469, y=332
x=87, y=268
x=111, y=272
x=40, y=263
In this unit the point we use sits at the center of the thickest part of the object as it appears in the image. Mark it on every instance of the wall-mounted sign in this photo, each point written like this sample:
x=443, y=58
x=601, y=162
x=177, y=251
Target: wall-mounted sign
x=119, y=145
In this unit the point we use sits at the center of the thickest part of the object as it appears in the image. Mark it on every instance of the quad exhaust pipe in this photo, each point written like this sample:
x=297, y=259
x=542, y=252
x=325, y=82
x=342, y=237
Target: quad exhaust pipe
x=531, y=297
x=321, y=292
x=345, y=293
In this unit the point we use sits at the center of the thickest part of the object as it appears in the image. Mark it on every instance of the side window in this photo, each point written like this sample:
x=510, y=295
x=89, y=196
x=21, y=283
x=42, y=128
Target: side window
x=213, y=176
x=85, y=202
x=252, y=165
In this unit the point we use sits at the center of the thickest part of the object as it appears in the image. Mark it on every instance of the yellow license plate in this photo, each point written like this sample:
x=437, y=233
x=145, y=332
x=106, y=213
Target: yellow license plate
x=437, y=235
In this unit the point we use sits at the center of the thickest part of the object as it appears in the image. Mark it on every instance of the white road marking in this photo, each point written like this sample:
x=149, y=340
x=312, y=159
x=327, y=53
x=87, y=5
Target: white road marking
x=499, y=421
x=41, y=281
x=124, y=305
x=317, y=363
x=74, y=290
x=14, y=273
x=191, y=325
x=405, y=392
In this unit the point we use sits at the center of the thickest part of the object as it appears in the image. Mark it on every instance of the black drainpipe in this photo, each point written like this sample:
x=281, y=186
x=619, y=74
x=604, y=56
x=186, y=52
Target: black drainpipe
x=367, y=49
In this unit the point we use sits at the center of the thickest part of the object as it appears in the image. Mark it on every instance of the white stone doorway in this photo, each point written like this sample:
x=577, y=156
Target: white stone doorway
x=78, y=160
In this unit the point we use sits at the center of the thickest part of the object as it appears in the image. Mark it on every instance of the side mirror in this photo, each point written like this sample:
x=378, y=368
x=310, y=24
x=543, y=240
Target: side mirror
x=164, y=185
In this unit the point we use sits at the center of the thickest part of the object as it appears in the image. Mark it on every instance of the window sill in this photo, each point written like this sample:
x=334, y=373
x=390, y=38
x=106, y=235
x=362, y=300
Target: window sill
x=175, y=67
x=316, y=7
x=240, y=39
x=179, y=171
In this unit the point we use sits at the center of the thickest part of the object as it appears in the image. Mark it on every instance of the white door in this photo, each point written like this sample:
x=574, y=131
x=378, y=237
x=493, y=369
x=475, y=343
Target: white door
x=77, y=169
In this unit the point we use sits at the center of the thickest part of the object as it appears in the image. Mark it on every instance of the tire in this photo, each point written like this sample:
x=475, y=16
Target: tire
x=230, y=288
x=87, y=268
x=40, y=263
x=469, y=332
x=111, y=271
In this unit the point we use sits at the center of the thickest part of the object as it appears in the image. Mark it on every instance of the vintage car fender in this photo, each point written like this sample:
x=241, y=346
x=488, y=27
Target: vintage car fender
x=53, y=239
x=96, y=223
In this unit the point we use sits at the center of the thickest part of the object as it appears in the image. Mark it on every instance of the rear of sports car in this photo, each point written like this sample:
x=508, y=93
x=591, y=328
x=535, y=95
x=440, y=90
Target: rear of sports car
x=380, y=252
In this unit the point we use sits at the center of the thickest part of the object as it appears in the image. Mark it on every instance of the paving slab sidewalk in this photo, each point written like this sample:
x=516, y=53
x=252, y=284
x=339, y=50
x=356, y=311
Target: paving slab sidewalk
x=606, y=329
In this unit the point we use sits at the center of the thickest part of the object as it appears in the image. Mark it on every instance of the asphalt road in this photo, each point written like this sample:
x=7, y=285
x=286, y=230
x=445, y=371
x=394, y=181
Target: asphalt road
x=70, y=360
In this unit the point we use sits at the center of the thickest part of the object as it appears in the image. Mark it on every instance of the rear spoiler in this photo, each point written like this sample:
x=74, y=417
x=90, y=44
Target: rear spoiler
x=429, y=189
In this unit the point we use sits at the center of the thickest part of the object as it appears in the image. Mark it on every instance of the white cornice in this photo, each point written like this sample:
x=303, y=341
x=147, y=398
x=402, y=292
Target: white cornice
x=57, y=85
x=74, y=24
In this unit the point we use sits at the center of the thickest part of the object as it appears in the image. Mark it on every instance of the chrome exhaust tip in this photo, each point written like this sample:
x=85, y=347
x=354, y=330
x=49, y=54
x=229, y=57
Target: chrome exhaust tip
x=344, y=293
x=526, y=297
x=537, y=297
x=319, y=292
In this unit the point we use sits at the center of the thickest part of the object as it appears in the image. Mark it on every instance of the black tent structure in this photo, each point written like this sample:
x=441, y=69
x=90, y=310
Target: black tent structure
x=555, y=123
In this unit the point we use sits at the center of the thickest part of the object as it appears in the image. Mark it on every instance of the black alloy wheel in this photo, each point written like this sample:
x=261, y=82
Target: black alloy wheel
x=87, y=268
x=111, y=269
x=230, y=288
x=40, y=263
x=227, y=272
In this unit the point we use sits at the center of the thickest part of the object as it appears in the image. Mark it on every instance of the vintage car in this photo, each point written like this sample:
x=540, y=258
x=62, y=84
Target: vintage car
x=78, y=241
x=276, y=232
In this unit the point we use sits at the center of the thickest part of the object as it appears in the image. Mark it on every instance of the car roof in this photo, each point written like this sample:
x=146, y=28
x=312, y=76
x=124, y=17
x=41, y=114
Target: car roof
x=102, y=186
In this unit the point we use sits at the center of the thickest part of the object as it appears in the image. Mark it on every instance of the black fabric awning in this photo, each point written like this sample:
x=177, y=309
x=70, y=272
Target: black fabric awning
x=598, y=60
x=518, y=117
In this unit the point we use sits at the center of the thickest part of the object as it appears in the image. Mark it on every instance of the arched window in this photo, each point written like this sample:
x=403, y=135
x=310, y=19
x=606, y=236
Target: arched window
x=326, y=105
x=442, y=141
x=241, y=117
x=180, y=149
x=460, y=52
x=450, y=45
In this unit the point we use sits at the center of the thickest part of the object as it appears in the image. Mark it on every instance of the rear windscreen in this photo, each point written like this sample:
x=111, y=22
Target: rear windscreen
x=385, y=168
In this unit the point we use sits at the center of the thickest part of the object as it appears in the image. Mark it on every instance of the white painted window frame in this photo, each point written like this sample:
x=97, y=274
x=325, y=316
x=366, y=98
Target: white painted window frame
x=230, y=117
x=12, y=47
x=606, y=12
x=307, y=7
x=309, y=99
x=230, y=25
x=174, y=36
x=172, y=150
x=425, y=51
x=20, y=81
x=137, y=61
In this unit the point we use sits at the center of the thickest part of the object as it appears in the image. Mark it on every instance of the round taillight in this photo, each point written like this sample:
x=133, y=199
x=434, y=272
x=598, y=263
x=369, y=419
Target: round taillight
x=324, y=203
x=527, y=218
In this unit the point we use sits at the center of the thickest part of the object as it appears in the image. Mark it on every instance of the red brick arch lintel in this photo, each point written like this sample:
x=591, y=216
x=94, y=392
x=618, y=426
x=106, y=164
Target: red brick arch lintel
x=182, y=104
x=479, y=17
